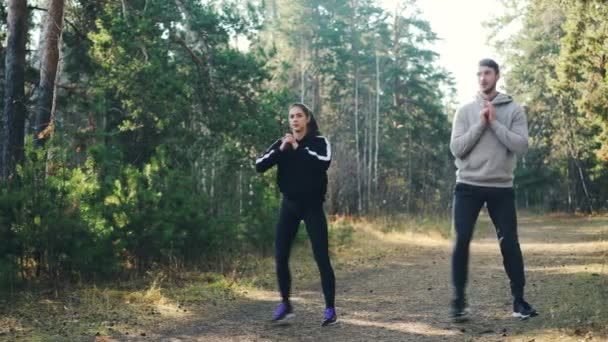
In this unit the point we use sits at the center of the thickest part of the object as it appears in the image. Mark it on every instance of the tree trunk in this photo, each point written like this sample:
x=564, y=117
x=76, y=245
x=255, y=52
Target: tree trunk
x=240, y=191
x=377, y=123
x=317, y=108
x=357, y=154
x=302, y=74
x=48, y=71
x=526, y=192
x=364, y=161
x=570, y=204
x=410, y=181
x=355, y=52
x=370, y=147
x=212, y=180
x=584, y=185
x=14, y=93
x=396, y=46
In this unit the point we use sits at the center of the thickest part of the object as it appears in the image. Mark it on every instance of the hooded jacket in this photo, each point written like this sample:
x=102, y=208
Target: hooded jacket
x=302, y=173
x=486, y=154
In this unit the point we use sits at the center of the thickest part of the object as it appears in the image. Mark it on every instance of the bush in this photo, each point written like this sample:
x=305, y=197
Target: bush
x=104, y=217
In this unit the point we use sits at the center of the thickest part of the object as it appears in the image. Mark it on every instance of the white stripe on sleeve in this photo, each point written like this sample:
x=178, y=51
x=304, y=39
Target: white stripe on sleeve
x=267, y=155
x=327, y=157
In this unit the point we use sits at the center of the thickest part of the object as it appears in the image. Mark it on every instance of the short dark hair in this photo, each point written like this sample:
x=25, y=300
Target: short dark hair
x=490, y=63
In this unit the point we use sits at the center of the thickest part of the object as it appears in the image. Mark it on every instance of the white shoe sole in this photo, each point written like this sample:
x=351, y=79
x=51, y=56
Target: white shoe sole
x=329, y=324
x=520, y=315
x=286, y=319
x=464, y=316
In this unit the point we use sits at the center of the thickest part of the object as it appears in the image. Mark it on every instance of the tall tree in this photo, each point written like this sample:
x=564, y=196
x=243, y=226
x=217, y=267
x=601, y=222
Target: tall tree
x=14, y=91
x=555, y=70
x=2, y=66
x=49, y=60
x=583, y=63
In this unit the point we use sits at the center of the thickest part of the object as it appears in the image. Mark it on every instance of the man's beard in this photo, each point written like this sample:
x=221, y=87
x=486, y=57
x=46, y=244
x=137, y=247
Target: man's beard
x=490, y=90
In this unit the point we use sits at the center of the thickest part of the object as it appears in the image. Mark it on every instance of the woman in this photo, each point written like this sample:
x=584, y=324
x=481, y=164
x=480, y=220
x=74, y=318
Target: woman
x=303, y=157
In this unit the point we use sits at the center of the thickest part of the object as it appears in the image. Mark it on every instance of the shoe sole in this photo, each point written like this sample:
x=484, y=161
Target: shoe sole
x=520, y=315
x=460, y=319
x=329, y=324
x=285, y=319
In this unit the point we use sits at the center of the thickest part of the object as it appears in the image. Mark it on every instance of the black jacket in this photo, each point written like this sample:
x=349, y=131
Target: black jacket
x=302, y=173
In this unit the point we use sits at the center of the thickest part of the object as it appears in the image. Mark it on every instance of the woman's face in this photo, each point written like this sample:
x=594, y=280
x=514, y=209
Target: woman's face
x=298, y=120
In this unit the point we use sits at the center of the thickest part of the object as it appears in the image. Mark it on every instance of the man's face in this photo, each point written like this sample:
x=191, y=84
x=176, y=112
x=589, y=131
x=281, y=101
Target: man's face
x=486, y=79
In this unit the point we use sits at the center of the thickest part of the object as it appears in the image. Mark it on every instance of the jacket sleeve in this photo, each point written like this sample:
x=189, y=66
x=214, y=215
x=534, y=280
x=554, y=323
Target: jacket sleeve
x=318, y=153
x=464, y=138
x=269, y=158
x=516, y=138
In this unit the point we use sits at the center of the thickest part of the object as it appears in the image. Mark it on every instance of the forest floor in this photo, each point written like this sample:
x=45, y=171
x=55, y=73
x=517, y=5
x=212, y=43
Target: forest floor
x=393, y=284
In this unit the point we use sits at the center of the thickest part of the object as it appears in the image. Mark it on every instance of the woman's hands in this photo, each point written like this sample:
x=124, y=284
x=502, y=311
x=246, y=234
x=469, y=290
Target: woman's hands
x=288, y=141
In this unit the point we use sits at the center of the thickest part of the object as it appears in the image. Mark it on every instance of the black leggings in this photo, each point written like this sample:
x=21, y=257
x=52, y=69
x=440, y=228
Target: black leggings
x=291, y=214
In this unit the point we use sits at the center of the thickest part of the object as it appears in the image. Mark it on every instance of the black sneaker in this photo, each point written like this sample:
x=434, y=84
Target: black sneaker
x=329, y=317
x=523, y=310
x=458, y=310
x=283, y=313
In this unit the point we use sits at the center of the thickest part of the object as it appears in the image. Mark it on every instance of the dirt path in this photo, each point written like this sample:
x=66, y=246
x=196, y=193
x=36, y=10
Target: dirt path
x=402, y=293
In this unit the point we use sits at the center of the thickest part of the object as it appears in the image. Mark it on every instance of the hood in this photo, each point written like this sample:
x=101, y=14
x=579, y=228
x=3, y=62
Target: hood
x=498, y=100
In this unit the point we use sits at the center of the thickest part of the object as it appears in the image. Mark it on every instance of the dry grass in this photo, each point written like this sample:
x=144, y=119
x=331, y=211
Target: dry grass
x=566, y=259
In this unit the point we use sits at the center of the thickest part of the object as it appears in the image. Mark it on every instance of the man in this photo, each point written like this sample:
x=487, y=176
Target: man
x=487, y=136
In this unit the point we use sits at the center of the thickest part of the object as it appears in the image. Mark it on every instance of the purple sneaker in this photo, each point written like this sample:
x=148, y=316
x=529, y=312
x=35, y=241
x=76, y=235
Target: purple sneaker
x=330, y=317
x=283, y=313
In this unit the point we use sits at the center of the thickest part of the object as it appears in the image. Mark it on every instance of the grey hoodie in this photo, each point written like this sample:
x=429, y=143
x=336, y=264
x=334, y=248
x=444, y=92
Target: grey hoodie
x=486, y=153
